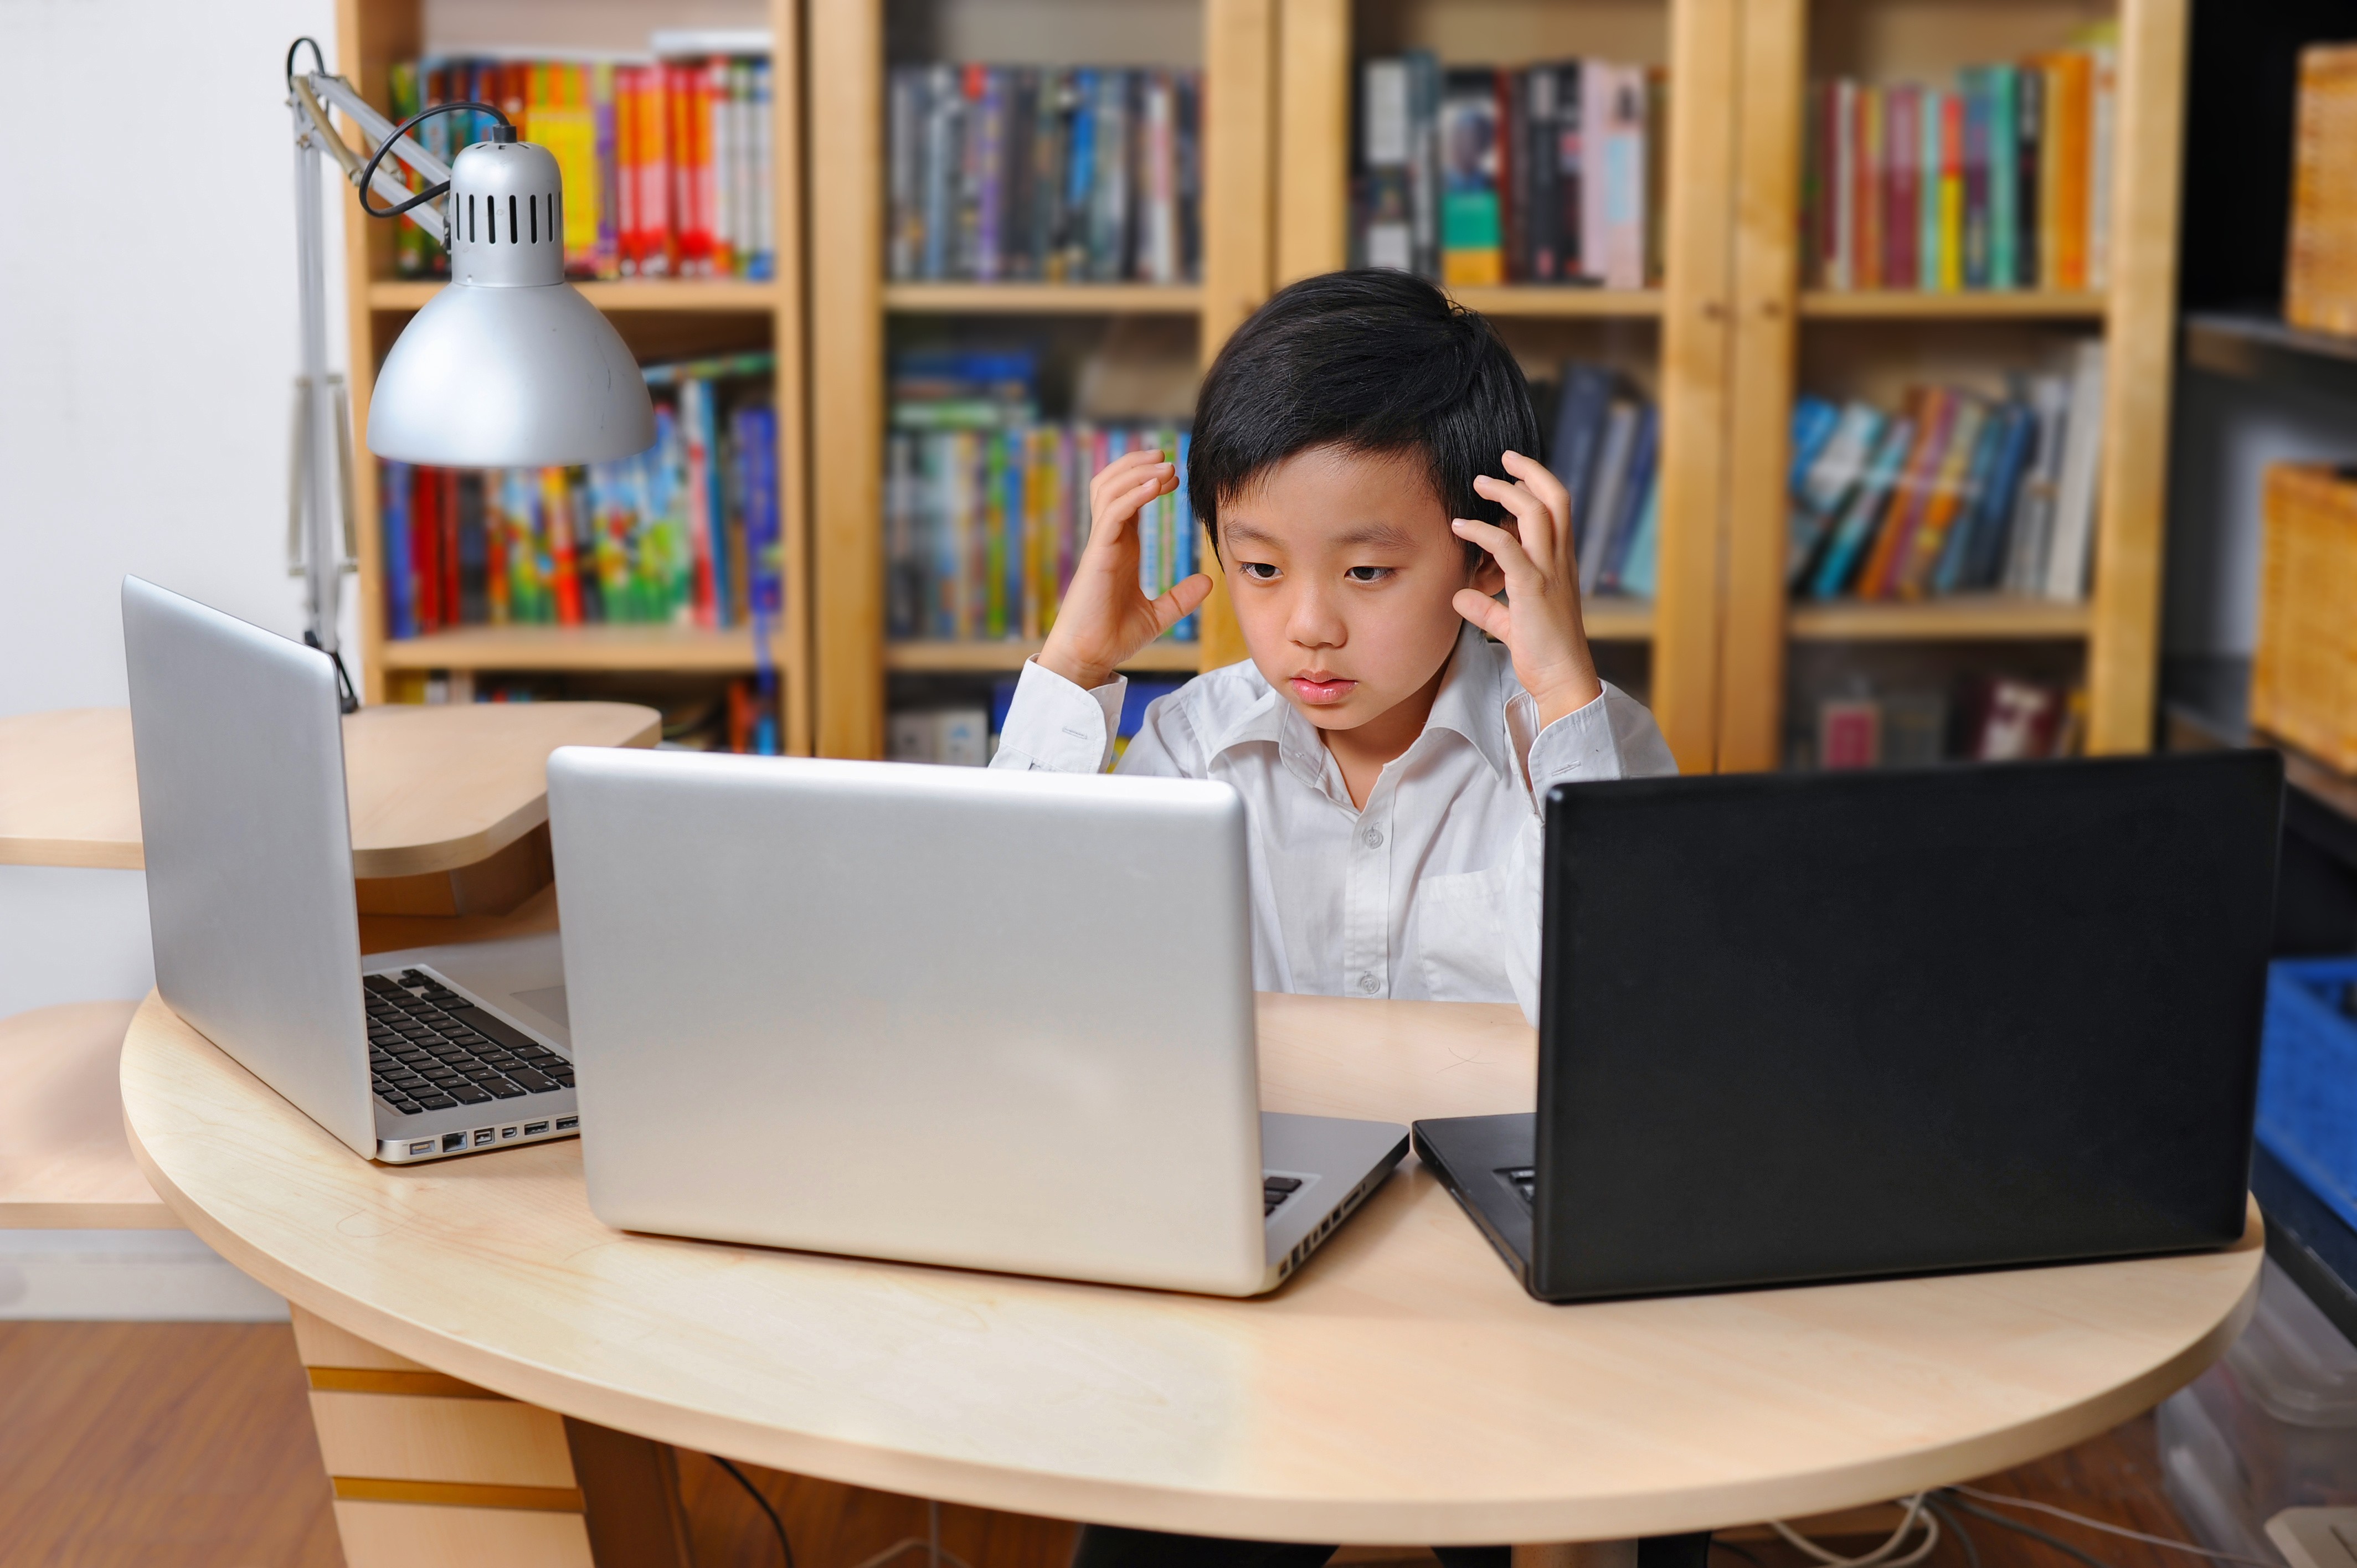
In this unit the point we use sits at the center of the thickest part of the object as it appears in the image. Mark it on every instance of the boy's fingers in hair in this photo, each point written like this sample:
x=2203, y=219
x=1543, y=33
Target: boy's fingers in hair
x=1535, y=528
x=1123, y=470
x=1180, y=602
x=1508, y=551
x=1549, y=489
x=1484, y=612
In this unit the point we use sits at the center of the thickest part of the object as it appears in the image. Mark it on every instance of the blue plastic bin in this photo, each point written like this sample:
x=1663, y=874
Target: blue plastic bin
x=2308, y=1078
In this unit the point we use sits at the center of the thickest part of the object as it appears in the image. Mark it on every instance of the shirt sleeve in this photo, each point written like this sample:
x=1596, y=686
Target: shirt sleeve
x=1055, y=727
x=1614, y=736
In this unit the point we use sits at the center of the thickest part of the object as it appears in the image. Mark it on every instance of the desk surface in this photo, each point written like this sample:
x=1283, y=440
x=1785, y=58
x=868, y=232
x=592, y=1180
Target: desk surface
x=1400, y=1388
x=432, y=789
x=64, y=1161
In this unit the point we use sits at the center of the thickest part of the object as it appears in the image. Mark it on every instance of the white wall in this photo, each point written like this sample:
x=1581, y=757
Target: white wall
x=147, y=348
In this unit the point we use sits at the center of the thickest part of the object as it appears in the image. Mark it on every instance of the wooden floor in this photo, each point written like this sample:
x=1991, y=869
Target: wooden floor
x=188, y=1445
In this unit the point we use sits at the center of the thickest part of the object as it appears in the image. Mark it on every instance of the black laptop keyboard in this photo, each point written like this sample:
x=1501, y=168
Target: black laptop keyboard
x=430, y=1048
x=1274, y=1190
x=1524, y=1179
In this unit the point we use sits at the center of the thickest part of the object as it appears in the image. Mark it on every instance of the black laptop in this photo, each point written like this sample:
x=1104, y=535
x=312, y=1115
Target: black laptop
x=1830, y=1026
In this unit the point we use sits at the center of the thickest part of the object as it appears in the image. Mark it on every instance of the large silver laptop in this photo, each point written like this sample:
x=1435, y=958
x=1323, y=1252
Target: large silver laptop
x=412, y=1056
x=995, y=1020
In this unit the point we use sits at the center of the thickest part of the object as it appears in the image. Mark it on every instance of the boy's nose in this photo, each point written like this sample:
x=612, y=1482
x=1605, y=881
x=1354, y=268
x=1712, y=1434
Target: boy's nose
x=1315, y=621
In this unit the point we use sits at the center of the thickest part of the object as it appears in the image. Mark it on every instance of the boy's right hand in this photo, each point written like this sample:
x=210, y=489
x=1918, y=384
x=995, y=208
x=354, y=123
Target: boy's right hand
x=1106, y=618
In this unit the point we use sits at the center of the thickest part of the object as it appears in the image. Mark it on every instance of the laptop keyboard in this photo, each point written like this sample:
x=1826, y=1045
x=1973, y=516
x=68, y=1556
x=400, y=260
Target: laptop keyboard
x=1524, y=1179
x=1274, y=1190
x=430, y=1048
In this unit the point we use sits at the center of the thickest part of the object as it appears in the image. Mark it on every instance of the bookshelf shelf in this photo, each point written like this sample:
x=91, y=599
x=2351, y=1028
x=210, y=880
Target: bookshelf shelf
x=1614, y=619
x=1965, y=618
x=1542, y=302
x=1970, y=305
x=716, y=295
x=673, y=650
x=1043, y=298
x=957, y=658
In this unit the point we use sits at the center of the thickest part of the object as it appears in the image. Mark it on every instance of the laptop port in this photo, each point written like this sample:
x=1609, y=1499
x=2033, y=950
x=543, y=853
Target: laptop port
x=423, y=1146
x=567, y=1123
x=486, y=1135
x=534, y=1129
x=453, y=1141
x=506, y=1132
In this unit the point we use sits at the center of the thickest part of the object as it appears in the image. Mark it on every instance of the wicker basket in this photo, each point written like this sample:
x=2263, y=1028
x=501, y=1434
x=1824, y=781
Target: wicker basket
x=2320, y=277
x=2304, y=678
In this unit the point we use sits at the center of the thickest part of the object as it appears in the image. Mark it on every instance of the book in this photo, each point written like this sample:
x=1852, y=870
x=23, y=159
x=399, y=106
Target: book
x=1606, y=490
x=1823, y=487
x=1999, y=180
x=2071, y=546
x=1854, y=530
x=1471, y=230
x=1582, y=408
x=1547, y=172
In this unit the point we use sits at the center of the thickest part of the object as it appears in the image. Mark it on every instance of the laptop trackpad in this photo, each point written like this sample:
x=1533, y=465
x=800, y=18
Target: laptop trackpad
x=548, y=1002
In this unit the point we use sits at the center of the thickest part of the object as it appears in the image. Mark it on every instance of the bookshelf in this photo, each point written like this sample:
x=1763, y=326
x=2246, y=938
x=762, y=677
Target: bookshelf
x=1734, y=336
x=857, y=315
x=1669, y=339
x=1787, y=337
x=657, y=318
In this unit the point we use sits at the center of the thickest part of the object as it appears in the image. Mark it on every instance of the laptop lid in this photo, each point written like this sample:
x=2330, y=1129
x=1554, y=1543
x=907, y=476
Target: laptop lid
x=989, y=1019
x=1820, y=1026
x=239, y=750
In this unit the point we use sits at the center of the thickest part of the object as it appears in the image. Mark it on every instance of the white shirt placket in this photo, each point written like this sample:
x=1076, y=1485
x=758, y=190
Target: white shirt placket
x=1366, y=892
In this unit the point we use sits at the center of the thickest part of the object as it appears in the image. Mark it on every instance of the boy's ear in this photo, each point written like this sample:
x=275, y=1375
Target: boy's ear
x=1487, y=576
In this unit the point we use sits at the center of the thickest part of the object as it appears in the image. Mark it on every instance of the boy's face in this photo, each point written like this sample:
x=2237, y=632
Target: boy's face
x=1341, y=565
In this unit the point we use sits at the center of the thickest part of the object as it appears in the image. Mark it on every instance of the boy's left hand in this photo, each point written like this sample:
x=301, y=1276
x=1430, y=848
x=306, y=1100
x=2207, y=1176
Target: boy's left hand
x=1540, y=622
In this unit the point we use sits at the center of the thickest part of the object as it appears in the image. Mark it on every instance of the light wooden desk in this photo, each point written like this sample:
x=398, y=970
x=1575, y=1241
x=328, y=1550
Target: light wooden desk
x=447, y=808
x=432, y=789
x=1401, y=1388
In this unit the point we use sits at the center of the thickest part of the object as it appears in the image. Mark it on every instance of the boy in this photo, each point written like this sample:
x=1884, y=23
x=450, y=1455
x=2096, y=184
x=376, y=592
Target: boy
x=1393, y=763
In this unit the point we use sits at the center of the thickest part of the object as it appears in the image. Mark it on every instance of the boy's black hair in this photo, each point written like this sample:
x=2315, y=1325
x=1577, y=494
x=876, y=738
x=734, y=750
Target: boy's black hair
x=1374, y=360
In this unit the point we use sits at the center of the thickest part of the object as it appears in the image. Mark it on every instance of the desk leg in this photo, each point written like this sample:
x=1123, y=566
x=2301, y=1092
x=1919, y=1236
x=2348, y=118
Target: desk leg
x=429, y=1469
x=1653, y=1552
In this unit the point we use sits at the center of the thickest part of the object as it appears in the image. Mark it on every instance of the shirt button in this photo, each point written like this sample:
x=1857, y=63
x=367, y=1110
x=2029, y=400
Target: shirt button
x=1368, y=984
x=1374, y=838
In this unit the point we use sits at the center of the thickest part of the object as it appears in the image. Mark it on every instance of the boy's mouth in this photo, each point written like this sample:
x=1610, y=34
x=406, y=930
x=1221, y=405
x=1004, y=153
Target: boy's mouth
x=1317, y=690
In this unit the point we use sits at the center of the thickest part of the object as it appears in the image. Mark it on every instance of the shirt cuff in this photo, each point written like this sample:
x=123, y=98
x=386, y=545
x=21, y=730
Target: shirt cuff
x=1578, y=748
x=1056, y=726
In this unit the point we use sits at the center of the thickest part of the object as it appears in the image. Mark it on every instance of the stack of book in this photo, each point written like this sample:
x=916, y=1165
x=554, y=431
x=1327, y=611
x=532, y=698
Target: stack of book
x=2002, y=181
x=986, y=507
x=1471, y=174
x=1954, y=492
x=1606, y=448
x=1043, y=174
x=684, y=534
x=668, y=165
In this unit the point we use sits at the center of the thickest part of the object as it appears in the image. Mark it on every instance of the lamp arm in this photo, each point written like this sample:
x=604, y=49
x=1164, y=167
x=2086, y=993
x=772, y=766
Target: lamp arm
x=310, y=89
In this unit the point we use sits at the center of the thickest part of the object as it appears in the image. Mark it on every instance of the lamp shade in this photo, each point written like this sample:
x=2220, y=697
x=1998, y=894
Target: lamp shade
x=509, y=366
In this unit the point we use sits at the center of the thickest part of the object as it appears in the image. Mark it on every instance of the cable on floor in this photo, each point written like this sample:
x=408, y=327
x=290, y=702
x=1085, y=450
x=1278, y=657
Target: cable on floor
x=1956, y=1528
x=1740, y=1551
x=1881, y=1556
x=784, y=1545
x=2112, y=1528
x=2031, y=1531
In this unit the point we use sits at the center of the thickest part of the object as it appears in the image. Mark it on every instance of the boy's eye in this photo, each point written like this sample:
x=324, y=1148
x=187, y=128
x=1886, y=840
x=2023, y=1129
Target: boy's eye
x=1368, y=573
x=1258, y=571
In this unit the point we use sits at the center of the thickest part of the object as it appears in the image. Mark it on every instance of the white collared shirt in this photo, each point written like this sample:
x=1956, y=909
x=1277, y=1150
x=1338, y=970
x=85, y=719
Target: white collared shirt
x=1431, y=889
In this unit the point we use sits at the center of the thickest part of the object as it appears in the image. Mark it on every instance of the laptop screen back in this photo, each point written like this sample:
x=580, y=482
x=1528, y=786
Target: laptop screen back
x=1833, y=1025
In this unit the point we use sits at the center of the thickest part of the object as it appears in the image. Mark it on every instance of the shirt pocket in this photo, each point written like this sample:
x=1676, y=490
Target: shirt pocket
x=1458, y=937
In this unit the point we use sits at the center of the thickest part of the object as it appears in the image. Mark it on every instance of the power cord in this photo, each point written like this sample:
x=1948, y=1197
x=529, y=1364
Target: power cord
x=1956, y=1528
x=2031, y=1531
x=2110, y=1528
x=754, y=1492
x=1881, y=1556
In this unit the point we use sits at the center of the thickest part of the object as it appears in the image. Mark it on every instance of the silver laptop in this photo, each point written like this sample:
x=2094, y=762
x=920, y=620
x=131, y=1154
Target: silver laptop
x=410, y=1056
x=994, y=1020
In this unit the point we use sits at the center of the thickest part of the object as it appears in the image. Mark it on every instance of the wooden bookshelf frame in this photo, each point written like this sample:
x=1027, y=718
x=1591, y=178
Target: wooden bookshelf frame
x=1313, y=155
x=2119, y=623
x=372, y=36
x=852, y=303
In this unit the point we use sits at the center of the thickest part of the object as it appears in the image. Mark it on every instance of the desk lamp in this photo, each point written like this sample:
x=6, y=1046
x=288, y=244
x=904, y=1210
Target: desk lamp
x=507, y=366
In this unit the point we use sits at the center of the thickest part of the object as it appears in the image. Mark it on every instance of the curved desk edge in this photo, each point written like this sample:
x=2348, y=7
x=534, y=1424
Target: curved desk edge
x=951, y=1479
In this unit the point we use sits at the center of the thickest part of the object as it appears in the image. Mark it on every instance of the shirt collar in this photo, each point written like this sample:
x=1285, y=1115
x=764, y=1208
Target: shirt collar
x=1471, y=702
